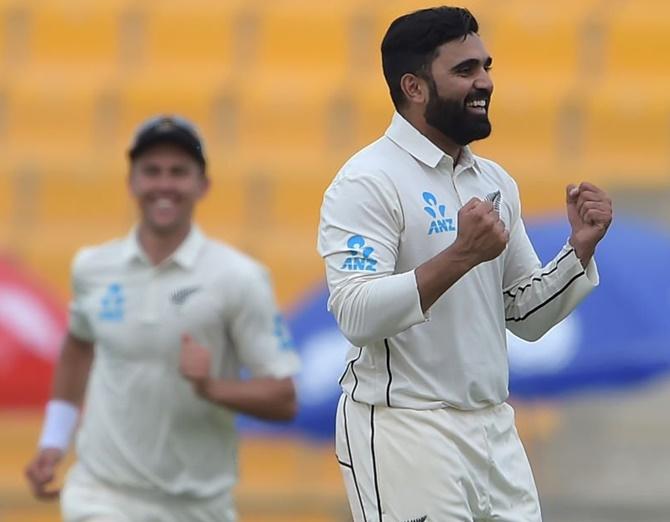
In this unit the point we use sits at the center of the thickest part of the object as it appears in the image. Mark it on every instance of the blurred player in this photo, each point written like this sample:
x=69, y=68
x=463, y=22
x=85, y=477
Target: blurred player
x=428, y=262
x=163, y=320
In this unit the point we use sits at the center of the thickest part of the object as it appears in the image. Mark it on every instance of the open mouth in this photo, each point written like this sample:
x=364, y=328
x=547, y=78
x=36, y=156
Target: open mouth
x=477, y=106
x=164, y=203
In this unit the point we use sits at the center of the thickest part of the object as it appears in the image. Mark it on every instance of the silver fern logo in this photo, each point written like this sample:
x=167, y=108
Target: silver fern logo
x=179, y=297
x=495, y=198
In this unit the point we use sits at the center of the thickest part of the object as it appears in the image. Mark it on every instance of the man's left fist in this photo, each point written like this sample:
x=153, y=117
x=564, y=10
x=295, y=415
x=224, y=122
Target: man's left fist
x=590, y=214
x=195, y=361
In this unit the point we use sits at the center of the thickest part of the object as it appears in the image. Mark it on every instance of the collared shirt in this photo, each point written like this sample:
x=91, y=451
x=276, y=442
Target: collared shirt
x=392, y=207
x=144, y=427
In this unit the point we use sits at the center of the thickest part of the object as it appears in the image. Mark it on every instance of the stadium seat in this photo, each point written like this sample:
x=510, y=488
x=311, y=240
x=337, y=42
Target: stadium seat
x=305, y=37
x=288, y=116
x=627, y=132
x=77, y=34
x=545, y=40
x=52, y=116
x=192, y=37
x=638, y=40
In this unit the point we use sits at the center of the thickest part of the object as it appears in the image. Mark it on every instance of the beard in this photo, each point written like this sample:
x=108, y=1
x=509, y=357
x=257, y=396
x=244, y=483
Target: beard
x=452, y=118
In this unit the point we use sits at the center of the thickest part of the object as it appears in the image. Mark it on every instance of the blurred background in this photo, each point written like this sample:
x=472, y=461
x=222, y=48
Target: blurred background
x=284, y=92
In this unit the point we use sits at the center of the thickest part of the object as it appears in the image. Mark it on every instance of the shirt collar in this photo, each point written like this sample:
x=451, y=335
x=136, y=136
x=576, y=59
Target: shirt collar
x=185, y=255
x=406, y=136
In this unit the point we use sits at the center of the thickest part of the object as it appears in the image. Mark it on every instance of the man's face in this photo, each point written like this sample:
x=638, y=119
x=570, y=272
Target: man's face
x=167, y=183
x=460, y=90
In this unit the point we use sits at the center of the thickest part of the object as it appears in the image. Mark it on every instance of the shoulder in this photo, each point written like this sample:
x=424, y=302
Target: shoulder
x=89, y=260
x=497, y=173
x=231, y=263
x=371, y=171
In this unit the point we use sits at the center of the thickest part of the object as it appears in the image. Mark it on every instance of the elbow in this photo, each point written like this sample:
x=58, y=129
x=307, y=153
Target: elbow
x=358, y=339
x=288, y=404
x=526, y=332
x=290, y=411
x=359, y=334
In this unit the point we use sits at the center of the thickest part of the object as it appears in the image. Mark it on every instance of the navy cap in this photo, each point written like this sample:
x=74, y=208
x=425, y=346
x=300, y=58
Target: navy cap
x=168, y=129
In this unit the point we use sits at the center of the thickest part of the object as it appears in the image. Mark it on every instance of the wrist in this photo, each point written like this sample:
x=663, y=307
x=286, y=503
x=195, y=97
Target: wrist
x=59, y=425
x=583, y=250
x=460, y=257
x=202, y=387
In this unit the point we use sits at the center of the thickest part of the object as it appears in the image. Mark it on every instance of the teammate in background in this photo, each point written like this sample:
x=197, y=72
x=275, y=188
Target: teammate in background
x=162, y=320
x=428, y=262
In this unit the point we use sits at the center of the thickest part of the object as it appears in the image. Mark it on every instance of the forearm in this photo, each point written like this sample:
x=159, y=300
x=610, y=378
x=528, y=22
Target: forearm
x=72, y=370
x=438, y=274
x=535, y=304
x=266, y=398
x=367, y=311
x=69, y=388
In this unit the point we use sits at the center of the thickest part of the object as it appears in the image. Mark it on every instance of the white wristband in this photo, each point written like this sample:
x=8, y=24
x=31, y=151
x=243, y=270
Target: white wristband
x=59, y=424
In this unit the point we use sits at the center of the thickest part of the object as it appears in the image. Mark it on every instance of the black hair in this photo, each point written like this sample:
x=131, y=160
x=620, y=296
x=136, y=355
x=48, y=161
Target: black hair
x=411, y=43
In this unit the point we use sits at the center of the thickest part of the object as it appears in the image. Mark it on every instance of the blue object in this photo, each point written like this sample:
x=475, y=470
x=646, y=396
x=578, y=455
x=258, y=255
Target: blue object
x=619, y=335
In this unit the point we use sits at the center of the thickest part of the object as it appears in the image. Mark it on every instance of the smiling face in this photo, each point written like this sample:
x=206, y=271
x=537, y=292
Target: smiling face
x=459, y=90
x=166, y=183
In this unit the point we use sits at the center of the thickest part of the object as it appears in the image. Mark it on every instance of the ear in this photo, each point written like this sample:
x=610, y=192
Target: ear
x=414, y=88
x=130, y=181
x=205, y=183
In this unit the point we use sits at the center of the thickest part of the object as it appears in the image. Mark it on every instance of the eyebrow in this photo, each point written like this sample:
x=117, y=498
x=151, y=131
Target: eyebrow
x=472, y=62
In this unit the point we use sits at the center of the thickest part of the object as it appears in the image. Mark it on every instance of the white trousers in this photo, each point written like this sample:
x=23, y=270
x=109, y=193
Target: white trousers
x=445, y=465
x=85, y=499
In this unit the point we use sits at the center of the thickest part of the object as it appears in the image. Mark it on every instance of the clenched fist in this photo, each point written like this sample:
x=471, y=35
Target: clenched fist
x=41, y=472
x=481, y=232
x=589, y=211
x=195, y=361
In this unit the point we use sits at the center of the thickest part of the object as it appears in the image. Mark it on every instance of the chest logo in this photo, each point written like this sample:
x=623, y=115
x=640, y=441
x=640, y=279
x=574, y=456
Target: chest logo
x=439, y=221
x=179, y=297
x=112, y=304
x=360, y=256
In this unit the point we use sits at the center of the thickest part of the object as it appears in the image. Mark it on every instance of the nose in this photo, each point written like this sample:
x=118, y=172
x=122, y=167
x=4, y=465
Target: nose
x=163, y=181
x=484, y=81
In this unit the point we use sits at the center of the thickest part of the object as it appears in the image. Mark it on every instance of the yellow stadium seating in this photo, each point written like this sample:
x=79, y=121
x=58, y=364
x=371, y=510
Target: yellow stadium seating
x=192, y=38
x=77, y=33
x=285, y=91
x=52, y=117
x=627, y=132
x=638, y=41
x=307, y=37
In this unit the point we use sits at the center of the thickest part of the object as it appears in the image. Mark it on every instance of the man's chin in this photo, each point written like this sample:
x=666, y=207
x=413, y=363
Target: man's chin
x=475, y=133
x=162, y=228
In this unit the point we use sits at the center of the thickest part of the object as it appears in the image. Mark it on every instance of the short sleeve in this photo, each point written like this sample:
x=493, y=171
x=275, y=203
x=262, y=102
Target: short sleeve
x=79, y=324
x=260, y=336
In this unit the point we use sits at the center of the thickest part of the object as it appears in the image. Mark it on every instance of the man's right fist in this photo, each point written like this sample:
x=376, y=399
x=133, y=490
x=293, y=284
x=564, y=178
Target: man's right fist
x=41, y=472
x=481, y=233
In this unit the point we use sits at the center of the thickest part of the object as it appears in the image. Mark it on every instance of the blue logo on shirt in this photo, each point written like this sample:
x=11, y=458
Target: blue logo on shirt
x=112, y=303
x=439, y=222
x=282, y=333
x=359, y=256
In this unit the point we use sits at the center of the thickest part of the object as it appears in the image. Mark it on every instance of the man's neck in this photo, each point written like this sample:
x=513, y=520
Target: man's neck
x=436, y=137
x=159, y=246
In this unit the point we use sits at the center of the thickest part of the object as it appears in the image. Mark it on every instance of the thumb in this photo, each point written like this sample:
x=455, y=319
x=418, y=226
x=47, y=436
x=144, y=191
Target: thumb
x=186, y=340
x=472, y=203
x=571, y=191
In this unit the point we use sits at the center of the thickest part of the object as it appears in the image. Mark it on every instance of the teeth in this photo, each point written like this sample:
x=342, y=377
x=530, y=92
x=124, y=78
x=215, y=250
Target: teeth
x=163, y=203
x=477, y=103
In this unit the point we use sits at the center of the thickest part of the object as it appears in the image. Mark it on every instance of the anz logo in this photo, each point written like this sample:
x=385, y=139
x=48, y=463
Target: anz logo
x=439, y=222
x=112, y=304
x=359, y=256
x=282, y=333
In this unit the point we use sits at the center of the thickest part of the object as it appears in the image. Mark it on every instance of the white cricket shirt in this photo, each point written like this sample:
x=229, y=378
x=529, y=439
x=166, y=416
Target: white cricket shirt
x=393, y=206
x=144, y=426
